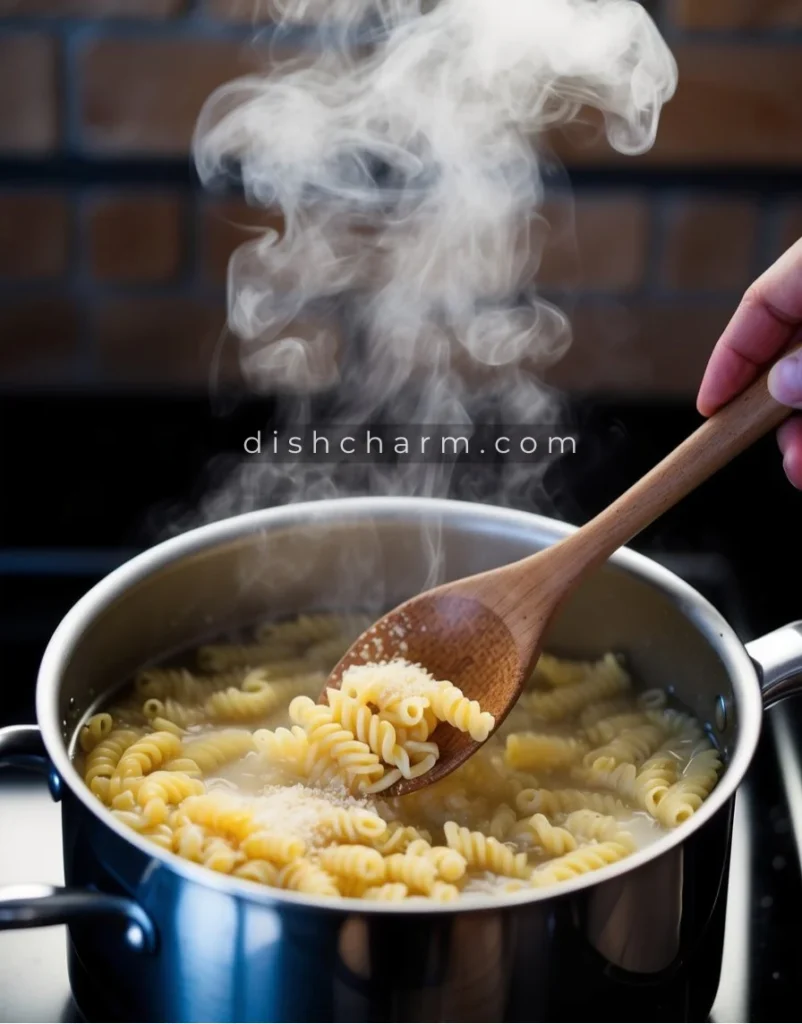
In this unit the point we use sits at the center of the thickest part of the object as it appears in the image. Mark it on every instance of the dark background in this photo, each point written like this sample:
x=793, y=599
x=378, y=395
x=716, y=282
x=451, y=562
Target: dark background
x=88, y=481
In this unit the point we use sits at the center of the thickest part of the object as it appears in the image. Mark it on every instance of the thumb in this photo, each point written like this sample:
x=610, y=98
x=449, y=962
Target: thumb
x=785, y=381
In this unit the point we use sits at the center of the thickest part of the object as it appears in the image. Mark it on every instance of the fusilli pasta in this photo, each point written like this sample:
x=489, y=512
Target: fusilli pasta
x=237, y=769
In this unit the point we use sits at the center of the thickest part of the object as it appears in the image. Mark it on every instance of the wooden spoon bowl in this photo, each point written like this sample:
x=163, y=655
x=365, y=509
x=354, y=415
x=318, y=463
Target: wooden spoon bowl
x=456, y=638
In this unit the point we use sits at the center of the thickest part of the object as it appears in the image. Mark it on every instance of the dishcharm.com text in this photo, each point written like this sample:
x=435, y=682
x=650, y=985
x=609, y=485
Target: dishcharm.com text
x=423, y=444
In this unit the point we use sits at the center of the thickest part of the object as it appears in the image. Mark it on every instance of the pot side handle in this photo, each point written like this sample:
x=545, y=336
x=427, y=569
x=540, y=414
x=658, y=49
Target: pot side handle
x=38, y=906
x=778, y=657
x=21, y=746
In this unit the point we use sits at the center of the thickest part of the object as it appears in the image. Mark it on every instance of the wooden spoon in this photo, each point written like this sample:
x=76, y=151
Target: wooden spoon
x=484, y=633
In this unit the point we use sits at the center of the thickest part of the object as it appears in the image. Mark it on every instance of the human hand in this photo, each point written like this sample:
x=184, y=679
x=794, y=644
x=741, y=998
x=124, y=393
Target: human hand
x=768, y=319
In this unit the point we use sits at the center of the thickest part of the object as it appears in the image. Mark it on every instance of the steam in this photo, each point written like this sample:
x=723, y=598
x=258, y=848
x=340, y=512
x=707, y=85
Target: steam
x=403, y=151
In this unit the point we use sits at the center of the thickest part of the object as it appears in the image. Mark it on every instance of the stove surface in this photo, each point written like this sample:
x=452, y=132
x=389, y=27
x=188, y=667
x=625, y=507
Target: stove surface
x=33, y=963
x=759, y=977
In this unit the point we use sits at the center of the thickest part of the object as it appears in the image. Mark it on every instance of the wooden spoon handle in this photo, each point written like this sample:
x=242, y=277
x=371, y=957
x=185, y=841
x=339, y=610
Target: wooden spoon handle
x=726, y=434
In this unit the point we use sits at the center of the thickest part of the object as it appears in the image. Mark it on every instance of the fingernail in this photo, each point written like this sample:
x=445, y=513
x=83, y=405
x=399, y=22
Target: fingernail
x=785, y=381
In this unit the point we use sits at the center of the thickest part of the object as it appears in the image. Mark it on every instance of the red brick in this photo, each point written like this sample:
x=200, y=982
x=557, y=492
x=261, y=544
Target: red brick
x=735, y=104
x=304, y=12
x=245, y=10
x=95, y=8
x=224, y=225
x=40, y=340
x=143, y=95
x=29, y=121
x=647, y=348
x=595, y=244
x=136, y=237
x=737, y=14
x=165, y=344
x=709, y=245
x=34, y=235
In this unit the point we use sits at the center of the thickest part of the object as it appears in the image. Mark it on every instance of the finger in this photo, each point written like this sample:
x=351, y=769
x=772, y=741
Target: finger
x=789, y=437
x=762, y=326
x=785, y=381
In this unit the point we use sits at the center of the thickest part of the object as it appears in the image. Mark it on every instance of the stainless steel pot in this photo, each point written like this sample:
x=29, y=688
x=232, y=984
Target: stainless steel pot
x=153, y=937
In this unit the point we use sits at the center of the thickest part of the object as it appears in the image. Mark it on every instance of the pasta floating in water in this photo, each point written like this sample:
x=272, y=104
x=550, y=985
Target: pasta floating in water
x=235, y=767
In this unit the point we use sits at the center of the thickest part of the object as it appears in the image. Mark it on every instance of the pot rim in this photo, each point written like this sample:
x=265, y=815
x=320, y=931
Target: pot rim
x=696, y=608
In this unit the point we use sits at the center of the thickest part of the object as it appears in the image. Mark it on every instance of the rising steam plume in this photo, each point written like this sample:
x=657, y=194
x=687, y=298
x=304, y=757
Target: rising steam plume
x=403, y=150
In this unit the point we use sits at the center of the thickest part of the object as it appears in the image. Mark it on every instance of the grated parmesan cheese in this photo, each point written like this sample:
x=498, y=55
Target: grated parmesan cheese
x=394, y=679
x=296, y=810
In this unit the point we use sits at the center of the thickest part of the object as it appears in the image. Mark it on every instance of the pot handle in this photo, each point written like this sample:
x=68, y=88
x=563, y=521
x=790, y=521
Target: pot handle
x=37, y=906
x=21, y=746
x=778, y=657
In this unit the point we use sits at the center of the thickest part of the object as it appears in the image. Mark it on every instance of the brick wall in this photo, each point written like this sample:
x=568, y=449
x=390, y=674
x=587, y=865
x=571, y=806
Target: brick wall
x=112, y=262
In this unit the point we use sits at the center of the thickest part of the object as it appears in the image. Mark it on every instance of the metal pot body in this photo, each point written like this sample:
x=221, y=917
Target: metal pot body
x=645, y=946
x=155, y=938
